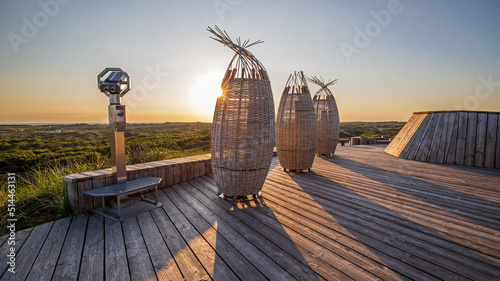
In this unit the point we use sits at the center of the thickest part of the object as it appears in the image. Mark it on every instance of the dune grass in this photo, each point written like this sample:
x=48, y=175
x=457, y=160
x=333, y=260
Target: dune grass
x=41, y=195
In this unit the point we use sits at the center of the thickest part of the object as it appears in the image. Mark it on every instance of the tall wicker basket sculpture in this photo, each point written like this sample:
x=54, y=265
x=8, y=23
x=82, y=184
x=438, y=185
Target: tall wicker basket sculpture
x=296, y=126
x=243, y=124
x=328, y=117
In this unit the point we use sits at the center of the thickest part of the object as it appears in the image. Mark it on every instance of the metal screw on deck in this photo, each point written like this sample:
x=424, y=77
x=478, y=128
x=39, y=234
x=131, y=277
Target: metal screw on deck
x=115, y=83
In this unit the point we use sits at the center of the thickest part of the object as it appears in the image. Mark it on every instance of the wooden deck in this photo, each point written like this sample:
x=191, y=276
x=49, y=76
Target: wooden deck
x=362, y=215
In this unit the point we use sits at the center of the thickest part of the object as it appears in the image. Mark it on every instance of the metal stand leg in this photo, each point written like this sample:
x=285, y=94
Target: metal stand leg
x=149, y=200
x=156, y=194
x=118, y=205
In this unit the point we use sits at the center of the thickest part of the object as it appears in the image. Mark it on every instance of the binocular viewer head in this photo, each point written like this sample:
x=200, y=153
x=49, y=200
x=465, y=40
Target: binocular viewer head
x=113, y=81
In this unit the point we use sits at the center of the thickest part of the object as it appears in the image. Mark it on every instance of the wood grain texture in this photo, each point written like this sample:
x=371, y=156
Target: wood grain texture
x=45, y=263
x=68, y=265
x=92, y=261
x=361, y=215
x=115, y=254
x=29, y=252
x=449, y=137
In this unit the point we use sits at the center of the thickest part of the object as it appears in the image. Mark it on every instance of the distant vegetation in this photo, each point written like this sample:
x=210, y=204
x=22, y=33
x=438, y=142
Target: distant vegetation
x=41, y=155
x=25, y=147
x=370, y=129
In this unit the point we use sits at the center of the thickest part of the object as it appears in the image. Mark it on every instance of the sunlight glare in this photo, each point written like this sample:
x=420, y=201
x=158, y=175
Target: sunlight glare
x=204, y=93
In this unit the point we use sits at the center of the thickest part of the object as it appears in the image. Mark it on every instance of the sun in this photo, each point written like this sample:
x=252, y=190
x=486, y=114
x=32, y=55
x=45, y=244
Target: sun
x=204, y=93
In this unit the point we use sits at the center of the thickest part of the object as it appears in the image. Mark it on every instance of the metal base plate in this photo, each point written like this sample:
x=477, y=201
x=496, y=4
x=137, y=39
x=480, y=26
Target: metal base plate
x=138, y=208
x=124, y=203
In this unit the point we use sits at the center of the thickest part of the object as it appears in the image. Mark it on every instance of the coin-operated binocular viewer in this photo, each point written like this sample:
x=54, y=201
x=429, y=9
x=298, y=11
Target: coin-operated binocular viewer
x=115, y=83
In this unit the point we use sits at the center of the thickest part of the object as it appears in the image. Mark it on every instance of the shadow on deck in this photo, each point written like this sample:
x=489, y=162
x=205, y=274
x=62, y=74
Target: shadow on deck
x=361, y=215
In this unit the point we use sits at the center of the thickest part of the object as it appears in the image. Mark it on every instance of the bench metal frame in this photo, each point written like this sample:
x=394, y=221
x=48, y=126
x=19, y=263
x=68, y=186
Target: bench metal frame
x=99, y=192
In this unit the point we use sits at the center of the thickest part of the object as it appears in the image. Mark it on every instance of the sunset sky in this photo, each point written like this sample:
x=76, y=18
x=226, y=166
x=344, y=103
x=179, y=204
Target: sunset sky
x=391, y=57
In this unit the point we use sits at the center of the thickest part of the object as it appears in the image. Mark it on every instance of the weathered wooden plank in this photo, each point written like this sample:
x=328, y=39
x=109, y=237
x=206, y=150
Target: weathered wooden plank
x=468, y=227
x=450, y=130
x=3, y=239
x=153, y=170
x=184, y=172
x=109, y=181
x=200, y=168
x=306, y=250
x=115, y=256
x=163, y=262
x=139, y=262
x=393, y=147
x=85, y=203
x=491, y=141
x=431, y=191
x=28, y=253
x=16, y=243
x=189, y=266
x=229, y=254
x=132, y=172
x=408, y=135
x=382, y=228
x=208, y=167
x=461, y=138
x=413, y=144
x=441, y=156
x=69, y=261
x=144, y=171
x=424, y=148
x=72, y=188
x=497, y=152
x=482, y=126
x=427, y=192
x=169, y=175
x=424, y=217
x=452, y=142
x=162, y=175
x=98, y=182
x=191, y=170
x=255, y=245
x=45, y=262
x=214, y=265
x=379, y=243
x=470, y=146
x=176, y=174
x=436, y=138
x=92, y=261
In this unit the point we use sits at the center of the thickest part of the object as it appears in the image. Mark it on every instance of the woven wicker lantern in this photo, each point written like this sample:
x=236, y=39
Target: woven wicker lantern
x=328, y=117
x=296, y=126
x=243, y=124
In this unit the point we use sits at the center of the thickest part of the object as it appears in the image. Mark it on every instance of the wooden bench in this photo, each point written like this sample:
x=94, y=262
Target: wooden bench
x=123, y=189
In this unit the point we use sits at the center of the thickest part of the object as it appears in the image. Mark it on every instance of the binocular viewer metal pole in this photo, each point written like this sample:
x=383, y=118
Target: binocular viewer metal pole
x=115, y=83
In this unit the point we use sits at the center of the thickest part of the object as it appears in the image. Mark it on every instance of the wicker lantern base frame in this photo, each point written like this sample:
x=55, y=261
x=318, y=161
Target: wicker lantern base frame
x=330, y=155
x=296, y=170
x=239, y=197
x=328, y=148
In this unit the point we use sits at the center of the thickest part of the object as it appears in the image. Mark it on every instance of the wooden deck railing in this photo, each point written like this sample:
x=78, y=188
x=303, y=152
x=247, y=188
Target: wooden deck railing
x=171, y=171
